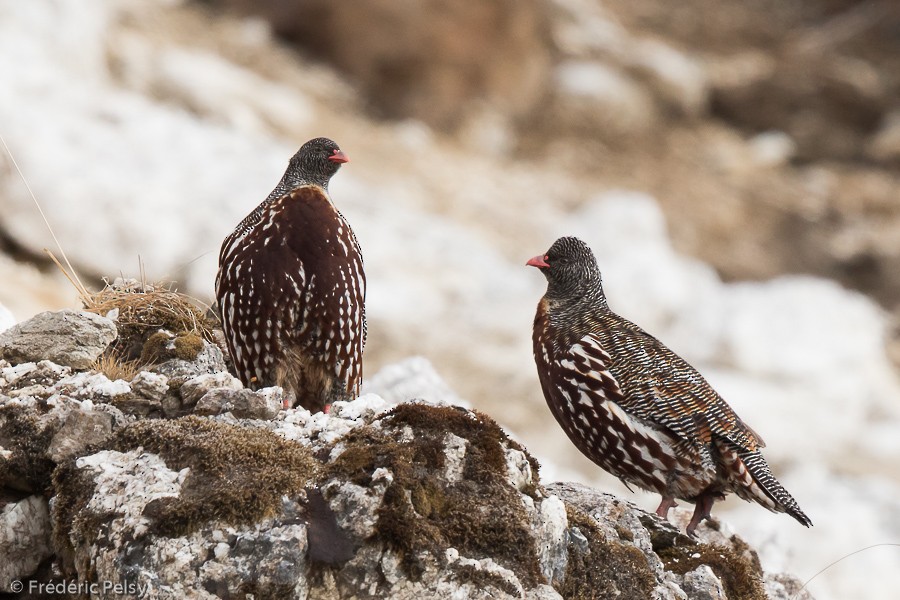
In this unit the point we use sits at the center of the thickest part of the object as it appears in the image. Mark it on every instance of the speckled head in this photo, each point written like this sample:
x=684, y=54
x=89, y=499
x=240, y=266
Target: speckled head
x=570, y=268
x=315, y=162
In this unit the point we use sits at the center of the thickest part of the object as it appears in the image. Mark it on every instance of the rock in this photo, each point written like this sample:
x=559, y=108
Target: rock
x=702, y=584
x=433, y=502
x=149, y=392
x=169, y=466
x=591, y=95
x=407, y=500
x=195, y=388
x=198, y=357
x=152, y=386
x=413, y=377
x=242, y=403
x=24, y=539
x=81, y=429
x=71, y=338
x=713, y=566
x=884, y=144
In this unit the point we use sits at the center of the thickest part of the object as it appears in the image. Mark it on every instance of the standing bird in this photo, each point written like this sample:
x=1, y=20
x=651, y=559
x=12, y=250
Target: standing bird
x=633, y=406
x=291, y=287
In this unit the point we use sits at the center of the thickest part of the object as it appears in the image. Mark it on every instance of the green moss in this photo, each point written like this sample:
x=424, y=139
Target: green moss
x=27, y=467
x=238, y=475
x=188, y=346
x=607, y=569
x=154, y=348
x=741, y=576
x=481, y=515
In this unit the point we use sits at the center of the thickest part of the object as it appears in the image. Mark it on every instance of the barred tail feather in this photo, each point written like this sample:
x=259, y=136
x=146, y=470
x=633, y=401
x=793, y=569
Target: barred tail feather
x=758, y=468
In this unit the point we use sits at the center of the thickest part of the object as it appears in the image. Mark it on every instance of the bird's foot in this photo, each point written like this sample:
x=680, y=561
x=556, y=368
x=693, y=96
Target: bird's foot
x=663, y=509
x=702, y=510
x=288, y=401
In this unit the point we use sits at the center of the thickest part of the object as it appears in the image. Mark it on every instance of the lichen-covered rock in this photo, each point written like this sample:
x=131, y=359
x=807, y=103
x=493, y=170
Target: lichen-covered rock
x=67, y=337
x=377, y=499
x=24, y=538
x=715, y=565
x=82, y=428
x=186, y=359
x=242, y=404
x=195, y=388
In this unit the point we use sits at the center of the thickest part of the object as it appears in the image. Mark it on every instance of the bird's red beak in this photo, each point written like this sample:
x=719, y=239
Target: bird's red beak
x=338, y=157
x=538, y=261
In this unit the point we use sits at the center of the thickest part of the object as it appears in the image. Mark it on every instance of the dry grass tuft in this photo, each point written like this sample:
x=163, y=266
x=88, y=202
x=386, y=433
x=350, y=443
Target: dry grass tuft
x=115, y=367
x=144, y=307
x=143, y=310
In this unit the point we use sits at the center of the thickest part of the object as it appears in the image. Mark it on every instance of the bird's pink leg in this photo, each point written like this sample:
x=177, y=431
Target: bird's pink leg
x=702, y=510
x=664, y=506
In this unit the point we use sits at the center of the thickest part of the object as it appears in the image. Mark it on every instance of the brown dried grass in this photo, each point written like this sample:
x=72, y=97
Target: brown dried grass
x=144, y=307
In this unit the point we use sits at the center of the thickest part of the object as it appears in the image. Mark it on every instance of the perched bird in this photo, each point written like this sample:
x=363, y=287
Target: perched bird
x=633, y=406
x=291, y=287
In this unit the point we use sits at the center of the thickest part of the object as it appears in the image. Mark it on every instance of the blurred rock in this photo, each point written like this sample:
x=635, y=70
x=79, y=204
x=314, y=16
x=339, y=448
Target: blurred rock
x=841, y=101
x=592, y=96
x=6, y=318
x=427, y=60
x=884, y=144
x=24, y=539
x=414, y=377
x=71, y=338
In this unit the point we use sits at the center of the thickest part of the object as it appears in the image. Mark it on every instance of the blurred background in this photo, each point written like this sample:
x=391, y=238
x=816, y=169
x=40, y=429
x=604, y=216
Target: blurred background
x=735, y=166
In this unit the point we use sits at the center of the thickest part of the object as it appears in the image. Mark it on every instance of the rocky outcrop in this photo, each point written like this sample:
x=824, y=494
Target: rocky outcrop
x=70, y=338
x=375, y=500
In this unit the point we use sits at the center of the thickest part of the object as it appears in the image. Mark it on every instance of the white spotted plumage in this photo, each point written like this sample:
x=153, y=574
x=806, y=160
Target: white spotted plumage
x=633, y=406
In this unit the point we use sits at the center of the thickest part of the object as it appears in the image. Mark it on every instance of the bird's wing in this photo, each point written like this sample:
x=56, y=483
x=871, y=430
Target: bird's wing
x=647, y=380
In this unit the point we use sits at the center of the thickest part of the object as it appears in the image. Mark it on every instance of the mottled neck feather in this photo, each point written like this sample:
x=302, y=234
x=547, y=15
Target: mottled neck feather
x=288, y=183
x=574, y=309
x=293, y=179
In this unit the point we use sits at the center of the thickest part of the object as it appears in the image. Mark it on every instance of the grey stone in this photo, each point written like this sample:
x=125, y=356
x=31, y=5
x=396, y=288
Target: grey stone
x=783, y=586
x=195, y=388
x=242, y=403
x=24, y=539
x=209, y=360
x=81, y=429
x=152, y=386
x=702, y=584
x=67, y=337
